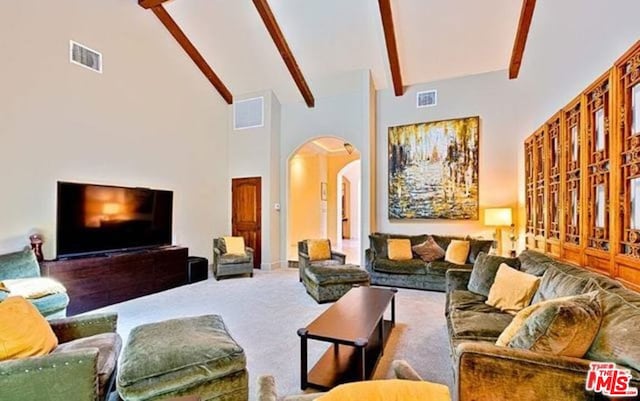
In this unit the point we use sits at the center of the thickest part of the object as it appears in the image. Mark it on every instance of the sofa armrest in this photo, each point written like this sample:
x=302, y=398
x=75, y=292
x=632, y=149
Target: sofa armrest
x=303, y=262
x=486, y=372
x=369, y=256
x=249, y=250
x=457, y=279
x=403, y=371
x=58, y=375
x=340, y=257
x=72, y=328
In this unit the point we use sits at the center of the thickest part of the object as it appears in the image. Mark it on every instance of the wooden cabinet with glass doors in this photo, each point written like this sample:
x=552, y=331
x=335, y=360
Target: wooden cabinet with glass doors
x=582, y=177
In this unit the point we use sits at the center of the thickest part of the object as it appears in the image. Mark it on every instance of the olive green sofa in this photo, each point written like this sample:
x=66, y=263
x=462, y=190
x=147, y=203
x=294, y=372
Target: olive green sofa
x=486, y=372
x=416, y=273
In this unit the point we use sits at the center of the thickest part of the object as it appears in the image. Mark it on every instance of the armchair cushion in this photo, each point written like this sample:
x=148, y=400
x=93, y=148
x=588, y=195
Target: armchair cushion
x=28, y=333
x=325, y=263
x=319, y=249
x=20, y=264
x=232, y=259
x=32, y=287
x=337, y=274
x=108, y=345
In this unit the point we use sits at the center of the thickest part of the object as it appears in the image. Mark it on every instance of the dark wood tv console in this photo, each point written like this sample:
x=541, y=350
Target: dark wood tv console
x=94, y=282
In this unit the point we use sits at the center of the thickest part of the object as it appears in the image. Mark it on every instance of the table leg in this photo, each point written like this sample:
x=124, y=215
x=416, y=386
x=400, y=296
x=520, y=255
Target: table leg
x=393, y=306
x=381, y=330
x=303, y=358
x=361, y=345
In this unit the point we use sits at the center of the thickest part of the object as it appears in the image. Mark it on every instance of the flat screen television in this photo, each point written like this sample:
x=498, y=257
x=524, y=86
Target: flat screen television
x=95, y=219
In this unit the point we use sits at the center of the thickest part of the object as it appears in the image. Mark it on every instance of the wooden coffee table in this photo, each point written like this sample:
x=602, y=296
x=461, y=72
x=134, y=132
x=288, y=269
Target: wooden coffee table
x=356, y=326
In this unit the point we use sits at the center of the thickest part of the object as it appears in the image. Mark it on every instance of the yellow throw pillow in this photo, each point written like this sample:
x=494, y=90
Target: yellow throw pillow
x=319, y=249
x=457, y=252
x=388, y=390
x=399, y=249
x=234, y=245
x=512, y=290
x=23, y=330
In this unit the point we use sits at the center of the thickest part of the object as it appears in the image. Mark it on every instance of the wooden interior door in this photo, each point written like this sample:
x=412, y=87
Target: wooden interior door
x=246, y=214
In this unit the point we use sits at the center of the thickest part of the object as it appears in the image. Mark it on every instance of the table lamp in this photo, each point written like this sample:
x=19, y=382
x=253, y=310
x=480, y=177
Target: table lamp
x=498, y=217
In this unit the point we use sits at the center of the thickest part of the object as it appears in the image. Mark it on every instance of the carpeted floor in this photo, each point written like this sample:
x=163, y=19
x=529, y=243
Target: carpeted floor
x=264, y=312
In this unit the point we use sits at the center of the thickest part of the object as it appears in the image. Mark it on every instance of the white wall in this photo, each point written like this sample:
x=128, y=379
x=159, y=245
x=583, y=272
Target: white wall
x=254, y=152
x=343, y=109
x=151, y=119
x=489, y=96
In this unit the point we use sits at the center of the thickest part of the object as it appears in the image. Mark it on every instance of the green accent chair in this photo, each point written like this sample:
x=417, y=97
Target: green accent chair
x=328, y=280
x=304, y=262
x=81, y=368
x=23, y=264
x=179, y=357
x=225, y=264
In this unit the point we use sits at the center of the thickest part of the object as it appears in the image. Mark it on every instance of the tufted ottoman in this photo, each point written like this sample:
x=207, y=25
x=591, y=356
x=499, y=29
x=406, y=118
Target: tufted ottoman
x=188, y=356
x=329, y=283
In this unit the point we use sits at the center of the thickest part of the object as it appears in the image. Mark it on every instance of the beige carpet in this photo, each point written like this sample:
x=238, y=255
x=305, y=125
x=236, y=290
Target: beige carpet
x=264, y=312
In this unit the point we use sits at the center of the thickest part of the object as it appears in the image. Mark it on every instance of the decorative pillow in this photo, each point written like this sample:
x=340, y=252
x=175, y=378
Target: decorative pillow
x=556, y=284
x=457, y=252
x=429, y=250
x=399, y=249
x=484, y=272
x=512, y=290
x=234, y=245
x=319, y=249
x=28, y=333
x=478, y=246
x=387, y=390
x=32, y=288
x=563, y=326
x=617, y=338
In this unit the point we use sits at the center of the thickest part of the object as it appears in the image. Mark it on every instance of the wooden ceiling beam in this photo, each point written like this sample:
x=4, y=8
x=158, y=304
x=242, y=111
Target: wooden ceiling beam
x=191, y=50
x=392, y=48
x=526, y=15
x=150, y=3
x=287, y=56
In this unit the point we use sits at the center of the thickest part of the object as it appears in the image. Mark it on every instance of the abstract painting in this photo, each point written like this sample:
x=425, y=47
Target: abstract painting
x=433, y=170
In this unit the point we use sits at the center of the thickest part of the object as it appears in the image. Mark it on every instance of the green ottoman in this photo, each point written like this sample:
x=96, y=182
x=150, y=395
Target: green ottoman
x=329, y=283
x=189, y=356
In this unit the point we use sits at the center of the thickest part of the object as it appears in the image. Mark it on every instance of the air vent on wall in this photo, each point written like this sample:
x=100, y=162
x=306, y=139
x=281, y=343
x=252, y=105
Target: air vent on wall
x=85, y=57
x=248, y=113
x=427, y=98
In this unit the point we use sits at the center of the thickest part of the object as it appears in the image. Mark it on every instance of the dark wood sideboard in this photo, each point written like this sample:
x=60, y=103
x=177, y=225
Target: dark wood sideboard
x=94, y=282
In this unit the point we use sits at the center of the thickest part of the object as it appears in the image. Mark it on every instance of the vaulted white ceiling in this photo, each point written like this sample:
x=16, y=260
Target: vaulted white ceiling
x=437, y=39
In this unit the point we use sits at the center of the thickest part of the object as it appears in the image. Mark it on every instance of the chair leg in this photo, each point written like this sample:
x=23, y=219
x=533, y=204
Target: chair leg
x=250, y=274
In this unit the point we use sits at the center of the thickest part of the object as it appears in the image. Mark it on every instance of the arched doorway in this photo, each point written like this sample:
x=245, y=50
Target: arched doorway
x=314, y=189
x=348, y=206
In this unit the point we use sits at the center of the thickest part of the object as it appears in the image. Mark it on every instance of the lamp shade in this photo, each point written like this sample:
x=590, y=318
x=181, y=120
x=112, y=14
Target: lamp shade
x=497, y=216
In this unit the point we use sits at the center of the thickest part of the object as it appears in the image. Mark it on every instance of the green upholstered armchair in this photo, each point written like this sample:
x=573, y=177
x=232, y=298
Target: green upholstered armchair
x=337, y=258
x=81, y=368
x=267, y=384
x=225, y=264
x=23, y=264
